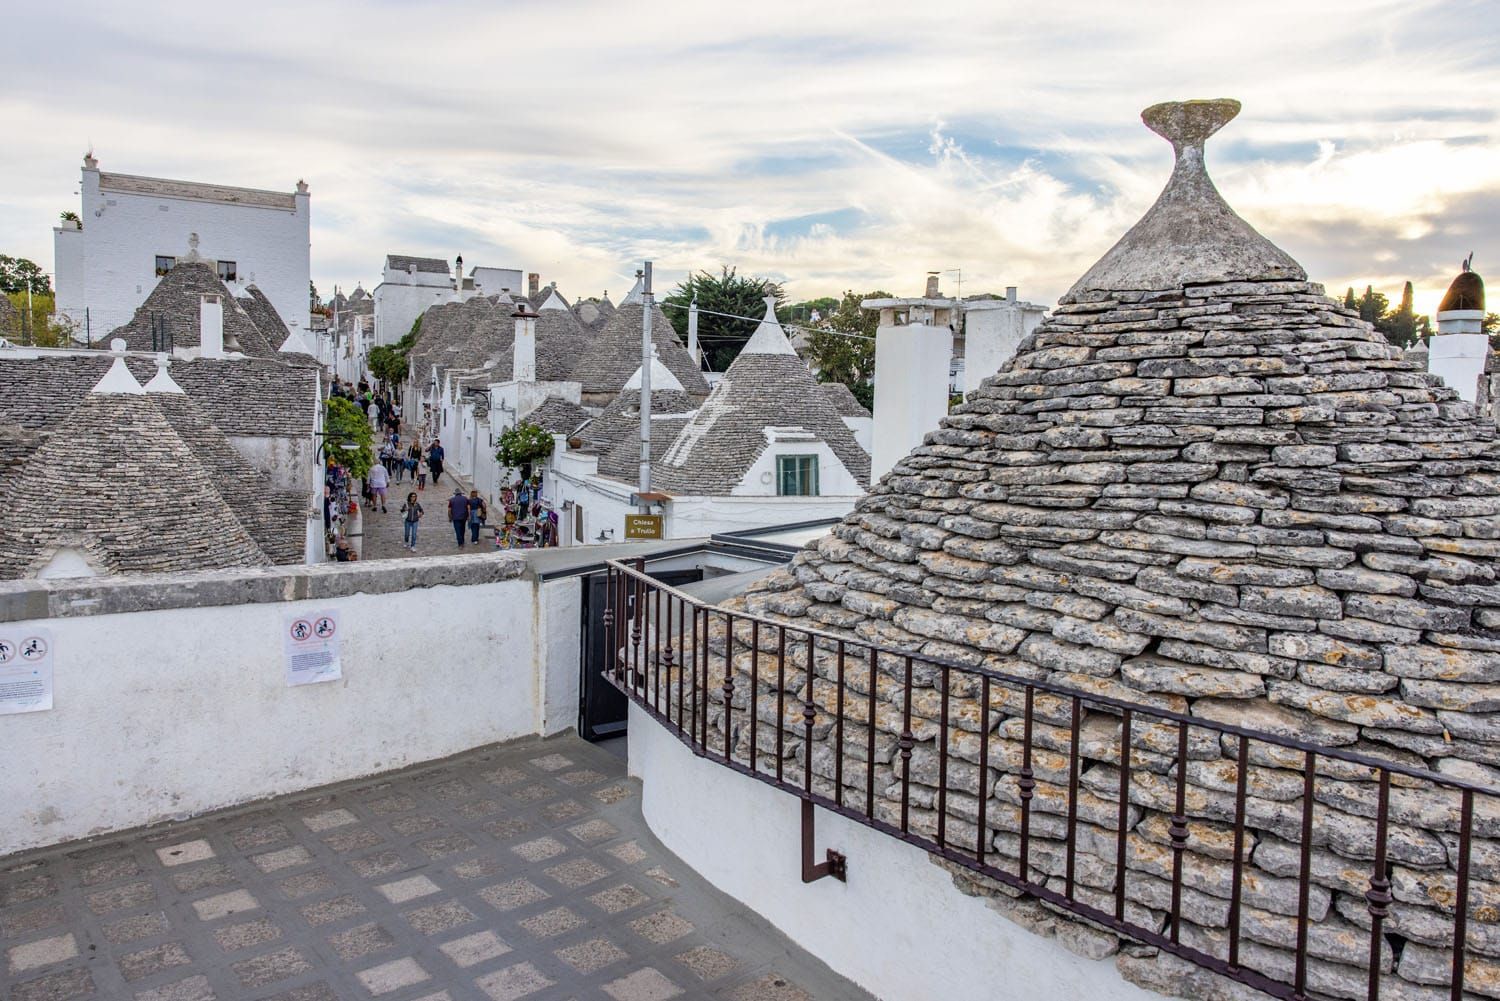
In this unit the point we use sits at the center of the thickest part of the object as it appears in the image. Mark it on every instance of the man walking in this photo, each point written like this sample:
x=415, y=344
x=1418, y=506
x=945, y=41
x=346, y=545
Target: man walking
x=435, y=461
x=458, y=513
x=478, y=515
x=379, y=481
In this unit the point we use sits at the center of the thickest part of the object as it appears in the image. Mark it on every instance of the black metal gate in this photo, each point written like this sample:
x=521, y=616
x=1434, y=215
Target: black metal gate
x=602, y=708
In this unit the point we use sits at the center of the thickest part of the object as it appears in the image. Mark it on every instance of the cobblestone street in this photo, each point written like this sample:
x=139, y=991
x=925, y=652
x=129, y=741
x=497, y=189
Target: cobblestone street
x=522, y=870
x=382, y=538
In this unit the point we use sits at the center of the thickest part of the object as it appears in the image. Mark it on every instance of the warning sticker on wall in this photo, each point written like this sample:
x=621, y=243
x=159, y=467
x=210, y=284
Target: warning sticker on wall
x=311, y=641
x=25, y=670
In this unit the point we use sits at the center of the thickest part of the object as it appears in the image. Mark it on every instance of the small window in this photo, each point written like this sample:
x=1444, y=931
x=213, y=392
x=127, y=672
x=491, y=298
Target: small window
x=227, y=271
x=164, y=264
x=797, y=475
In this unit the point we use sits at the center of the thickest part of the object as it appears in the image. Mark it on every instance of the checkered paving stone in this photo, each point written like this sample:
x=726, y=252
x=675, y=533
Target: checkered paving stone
x=518, y=871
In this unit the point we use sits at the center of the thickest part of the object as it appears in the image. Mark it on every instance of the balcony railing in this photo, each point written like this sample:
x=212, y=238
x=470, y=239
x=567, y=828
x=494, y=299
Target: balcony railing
x=1085, y=802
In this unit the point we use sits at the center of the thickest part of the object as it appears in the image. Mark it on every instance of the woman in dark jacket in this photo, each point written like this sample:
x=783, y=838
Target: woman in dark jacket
x=435, y=461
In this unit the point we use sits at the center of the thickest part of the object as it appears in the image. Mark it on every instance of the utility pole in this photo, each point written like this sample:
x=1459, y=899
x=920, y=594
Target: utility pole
x=646, y=304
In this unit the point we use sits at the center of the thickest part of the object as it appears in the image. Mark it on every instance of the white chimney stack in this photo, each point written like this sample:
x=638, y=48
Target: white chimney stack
x=523, y=358
x=211, y=326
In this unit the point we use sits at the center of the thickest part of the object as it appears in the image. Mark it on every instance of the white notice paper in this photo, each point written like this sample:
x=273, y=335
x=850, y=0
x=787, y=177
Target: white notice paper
x=311, y=640
x=25, y=670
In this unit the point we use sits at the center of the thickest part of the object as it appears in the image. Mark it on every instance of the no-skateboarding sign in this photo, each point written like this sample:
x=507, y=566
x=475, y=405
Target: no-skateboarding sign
x=311, y=640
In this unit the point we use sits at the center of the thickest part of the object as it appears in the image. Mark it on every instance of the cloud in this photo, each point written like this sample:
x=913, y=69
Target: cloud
x=832, y=146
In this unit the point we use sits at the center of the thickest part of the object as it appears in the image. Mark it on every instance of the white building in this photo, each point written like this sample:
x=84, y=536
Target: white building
x=408, y=285
x=1460, y=351
x=931, y=348
x=768, y=446
x=134, y=228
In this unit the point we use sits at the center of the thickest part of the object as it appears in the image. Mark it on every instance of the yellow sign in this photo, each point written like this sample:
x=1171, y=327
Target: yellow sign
x=643, y=526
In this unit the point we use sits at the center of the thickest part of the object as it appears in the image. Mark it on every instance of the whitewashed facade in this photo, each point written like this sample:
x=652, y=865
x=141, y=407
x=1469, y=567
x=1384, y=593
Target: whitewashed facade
x=106, y=268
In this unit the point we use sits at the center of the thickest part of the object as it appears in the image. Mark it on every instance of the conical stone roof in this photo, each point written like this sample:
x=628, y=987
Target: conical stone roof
x=119, y=485
x=766, y=386
x=275, y=519
x=176, y=302
x=614, y=353
x=1213, y=491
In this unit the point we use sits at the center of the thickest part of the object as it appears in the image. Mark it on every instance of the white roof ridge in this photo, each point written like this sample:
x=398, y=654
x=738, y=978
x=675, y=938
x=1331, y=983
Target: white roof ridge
x=661, y=376
x=769, y=338
x=162, y=382
x=118, y=380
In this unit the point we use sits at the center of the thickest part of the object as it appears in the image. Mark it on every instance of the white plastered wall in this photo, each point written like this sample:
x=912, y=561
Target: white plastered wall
x=898, y=927
x=124, y=231
x=167, y=713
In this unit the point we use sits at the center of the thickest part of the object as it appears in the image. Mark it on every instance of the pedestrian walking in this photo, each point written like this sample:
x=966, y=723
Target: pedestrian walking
x=380, y=480
x=479, y=513
x=412, y=512
x=458, y=513
x=435, y=461
x=415, y=467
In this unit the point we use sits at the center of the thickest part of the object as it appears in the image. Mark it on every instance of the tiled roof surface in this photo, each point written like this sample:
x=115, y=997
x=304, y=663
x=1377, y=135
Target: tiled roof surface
x=276, y=520
x=843, y=400
x=431, y=265
x=623, y=461
x=728, y=434
x=621, y=419
x=177, y=301
x=122, y=486
x=614, y=354
x=559, y=416
x=242, y=396
x=197, y=191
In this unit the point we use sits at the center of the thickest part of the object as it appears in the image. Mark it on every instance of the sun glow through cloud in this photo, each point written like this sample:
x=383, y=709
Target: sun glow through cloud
x=832, y=146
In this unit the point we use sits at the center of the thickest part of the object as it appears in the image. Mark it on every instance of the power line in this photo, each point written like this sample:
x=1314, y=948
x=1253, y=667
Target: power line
x=757, y=319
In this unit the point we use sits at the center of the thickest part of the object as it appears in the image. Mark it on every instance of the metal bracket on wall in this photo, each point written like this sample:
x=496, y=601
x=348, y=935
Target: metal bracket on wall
x=836, y=864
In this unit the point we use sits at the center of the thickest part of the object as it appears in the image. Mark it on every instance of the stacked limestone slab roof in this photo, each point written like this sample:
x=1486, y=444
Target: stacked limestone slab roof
x=614, y=353
x=428, y=265
x=843, y=400
x=241, y=396
x=123, y=491
x=479, y=335
x=1200, y=485
x=559, y=416
x=175, y=306
x=622, y=418
x=272, y=517
x=767, y=386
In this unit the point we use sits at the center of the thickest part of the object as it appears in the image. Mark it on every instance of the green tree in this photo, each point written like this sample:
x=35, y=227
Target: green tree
x=727, y=292
x=34, y=324
x=1401, y=326
x=802, y=312
x=848, y=359
x=68, y=215
x=344, y=424
x=388, y=362
x=523, y=445
x=17, y=274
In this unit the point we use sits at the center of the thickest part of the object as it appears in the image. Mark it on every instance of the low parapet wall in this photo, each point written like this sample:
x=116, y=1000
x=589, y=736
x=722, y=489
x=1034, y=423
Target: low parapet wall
x=171, y=693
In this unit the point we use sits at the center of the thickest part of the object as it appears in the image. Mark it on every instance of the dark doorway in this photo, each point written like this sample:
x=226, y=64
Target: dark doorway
x=602, y=709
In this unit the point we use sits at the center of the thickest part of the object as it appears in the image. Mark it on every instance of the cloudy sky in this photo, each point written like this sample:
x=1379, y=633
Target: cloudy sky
x=830, y=145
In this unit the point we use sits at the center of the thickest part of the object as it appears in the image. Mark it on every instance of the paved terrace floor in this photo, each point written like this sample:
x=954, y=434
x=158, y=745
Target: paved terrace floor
x=522, y=870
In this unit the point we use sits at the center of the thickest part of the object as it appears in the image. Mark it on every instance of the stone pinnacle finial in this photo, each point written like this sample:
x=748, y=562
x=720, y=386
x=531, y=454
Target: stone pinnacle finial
x=1189, y=124
x=1190, y=236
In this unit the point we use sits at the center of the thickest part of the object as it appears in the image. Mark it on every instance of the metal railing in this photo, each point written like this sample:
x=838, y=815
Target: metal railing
x=731, y=687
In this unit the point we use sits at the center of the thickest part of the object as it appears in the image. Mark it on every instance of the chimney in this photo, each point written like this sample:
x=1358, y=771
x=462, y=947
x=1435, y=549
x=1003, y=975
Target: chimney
x=211, y=326
x=932, y=287
x=1010, y=293
x=523, y=357
x=533, y=284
